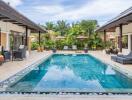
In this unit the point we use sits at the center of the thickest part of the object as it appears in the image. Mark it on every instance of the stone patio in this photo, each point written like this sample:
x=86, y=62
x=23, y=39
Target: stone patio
x=12, y=67
x=107, y=59
x=70, y=97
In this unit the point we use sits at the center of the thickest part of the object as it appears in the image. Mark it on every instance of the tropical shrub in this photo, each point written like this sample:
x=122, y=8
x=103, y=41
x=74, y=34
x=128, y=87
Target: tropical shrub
x=82, y=28
x=108, y=44
x=34, y=46
x=49, y=44
x=60, y=44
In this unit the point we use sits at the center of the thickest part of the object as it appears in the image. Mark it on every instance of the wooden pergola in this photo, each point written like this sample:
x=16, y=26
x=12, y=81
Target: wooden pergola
x=123, y=19
x=9, y=14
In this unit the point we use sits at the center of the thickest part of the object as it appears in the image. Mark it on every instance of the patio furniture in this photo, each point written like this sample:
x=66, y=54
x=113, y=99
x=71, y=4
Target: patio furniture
x=66, y=48
x=124, y=59
x=112, y=51
x=129, y=55
x=115, y=51
x=20, y=53
x=114, y=58
x=74, y=47
x=7, y=55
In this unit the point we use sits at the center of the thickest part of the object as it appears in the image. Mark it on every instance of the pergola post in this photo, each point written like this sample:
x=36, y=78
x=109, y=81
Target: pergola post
x=26, y=39
x=120, y=37
x=39, y=38
x=131, y=43
x=105, y=37
x=22, y=40
x=0, y=36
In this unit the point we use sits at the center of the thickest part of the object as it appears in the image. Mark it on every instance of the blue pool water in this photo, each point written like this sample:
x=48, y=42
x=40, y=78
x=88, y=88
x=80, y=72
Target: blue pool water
x=72, y=73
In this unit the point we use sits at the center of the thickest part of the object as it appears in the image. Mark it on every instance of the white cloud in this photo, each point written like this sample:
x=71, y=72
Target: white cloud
x=49, y=9
x=94, y=9
x=14, y=3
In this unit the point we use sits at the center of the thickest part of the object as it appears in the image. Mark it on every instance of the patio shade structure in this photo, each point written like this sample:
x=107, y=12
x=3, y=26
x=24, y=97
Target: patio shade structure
x=39, y=38
x=124, y=18
x=60, y=37
x=82, y=37
x=0, y=36
x=9, y=14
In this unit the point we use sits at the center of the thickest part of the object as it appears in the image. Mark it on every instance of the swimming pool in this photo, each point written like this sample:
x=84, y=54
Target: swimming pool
x=72, y=73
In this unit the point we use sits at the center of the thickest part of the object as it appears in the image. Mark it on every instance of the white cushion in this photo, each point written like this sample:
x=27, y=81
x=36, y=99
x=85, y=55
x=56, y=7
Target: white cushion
x=74, y=47
x=65, y=47
x=21, y=46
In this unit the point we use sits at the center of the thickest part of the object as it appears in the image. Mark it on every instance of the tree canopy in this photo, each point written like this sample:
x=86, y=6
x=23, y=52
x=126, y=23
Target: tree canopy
x=80, y=33
x=63, y=28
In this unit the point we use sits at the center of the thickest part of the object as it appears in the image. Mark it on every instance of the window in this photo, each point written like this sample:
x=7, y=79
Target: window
x=125, y=41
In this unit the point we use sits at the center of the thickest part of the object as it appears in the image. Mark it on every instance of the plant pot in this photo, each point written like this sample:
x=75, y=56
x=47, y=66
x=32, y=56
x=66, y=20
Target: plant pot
x=39, y=49
x=54, y=50
x=1, y=59
x=85, y=50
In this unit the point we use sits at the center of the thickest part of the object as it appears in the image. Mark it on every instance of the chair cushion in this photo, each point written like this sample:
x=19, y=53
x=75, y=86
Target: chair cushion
x=21, y=47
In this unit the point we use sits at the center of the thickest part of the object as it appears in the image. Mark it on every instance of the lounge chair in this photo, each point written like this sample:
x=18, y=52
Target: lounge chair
x=129, y=55
x=114, y=58
x=124, y=59
x=65, y=48
x=74, y=47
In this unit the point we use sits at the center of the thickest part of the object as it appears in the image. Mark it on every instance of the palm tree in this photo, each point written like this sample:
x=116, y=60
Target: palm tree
x=62, y=27
x=76, y=29
x=88, y=26
x=95, y=41
x=49, y=26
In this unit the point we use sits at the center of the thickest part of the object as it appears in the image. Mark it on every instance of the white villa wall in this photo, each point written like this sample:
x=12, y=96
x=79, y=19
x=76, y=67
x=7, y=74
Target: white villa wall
x=7, y=27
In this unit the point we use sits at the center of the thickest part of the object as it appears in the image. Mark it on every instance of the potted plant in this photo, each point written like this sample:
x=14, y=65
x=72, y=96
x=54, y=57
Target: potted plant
x=94, y=47
x=1, y=59
x=86, y=48
x=54, y=48
x=41, y=48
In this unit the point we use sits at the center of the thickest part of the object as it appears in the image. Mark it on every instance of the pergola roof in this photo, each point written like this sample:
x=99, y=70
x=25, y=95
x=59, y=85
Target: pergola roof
x=60, y=37
x=8, y=14
x=123, y=18
x=82, y=37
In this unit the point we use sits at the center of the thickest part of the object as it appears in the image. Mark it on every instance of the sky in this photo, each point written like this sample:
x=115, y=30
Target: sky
x=42, y=11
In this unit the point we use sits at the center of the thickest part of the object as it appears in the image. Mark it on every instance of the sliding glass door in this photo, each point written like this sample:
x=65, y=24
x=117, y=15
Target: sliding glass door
x=16, y=40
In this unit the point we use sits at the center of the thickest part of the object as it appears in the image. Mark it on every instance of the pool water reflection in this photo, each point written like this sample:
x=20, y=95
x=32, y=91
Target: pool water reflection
x=73, y=73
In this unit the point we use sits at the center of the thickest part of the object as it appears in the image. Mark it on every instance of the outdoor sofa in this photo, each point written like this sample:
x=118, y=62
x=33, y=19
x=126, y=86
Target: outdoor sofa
x=124, y=59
